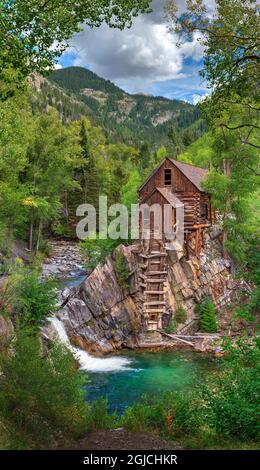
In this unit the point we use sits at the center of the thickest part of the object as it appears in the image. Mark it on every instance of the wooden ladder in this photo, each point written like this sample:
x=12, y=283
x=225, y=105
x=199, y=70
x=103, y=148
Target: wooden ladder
x=153, y=276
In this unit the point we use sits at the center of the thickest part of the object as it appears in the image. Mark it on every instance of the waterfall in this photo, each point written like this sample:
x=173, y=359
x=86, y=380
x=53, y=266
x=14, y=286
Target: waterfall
x=86, y=361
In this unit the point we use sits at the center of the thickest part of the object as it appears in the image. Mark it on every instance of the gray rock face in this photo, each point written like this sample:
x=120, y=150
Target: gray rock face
x=100, y=316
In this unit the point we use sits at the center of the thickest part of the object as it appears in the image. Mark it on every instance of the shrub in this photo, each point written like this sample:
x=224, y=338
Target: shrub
x=95, y=250
x=180, y=315
x=149, y=415
x=99, y=417
x=247, y=311
x=37, y=298
x=172, y=327
x=207, y=312
x=121, y=269
x=223, y=405
x=8, y=295
x=41, y=399
x=45, y=248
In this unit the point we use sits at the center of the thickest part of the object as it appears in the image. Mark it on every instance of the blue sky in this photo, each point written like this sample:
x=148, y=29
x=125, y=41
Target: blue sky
x=144, y=58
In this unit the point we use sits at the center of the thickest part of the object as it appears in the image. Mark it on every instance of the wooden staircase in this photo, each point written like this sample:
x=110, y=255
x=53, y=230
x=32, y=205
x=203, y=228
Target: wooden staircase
x=191, y=211
x=152, y=281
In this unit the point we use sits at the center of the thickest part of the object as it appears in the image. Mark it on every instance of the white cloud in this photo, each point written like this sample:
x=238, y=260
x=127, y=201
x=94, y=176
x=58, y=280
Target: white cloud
x=139, y=56
x=196, y=98
x=57, y=66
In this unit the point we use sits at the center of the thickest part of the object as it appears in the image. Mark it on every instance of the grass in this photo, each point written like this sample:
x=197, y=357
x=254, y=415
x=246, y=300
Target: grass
x=215, y=443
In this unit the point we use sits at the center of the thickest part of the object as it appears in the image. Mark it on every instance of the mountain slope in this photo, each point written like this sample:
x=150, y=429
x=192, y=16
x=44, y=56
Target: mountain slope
x=131, y=118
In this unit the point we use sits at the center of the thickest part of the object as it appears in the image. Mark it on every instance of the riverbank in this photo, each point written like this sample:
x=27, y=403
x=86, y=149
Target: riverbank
x=65, y=260
x=121, y=439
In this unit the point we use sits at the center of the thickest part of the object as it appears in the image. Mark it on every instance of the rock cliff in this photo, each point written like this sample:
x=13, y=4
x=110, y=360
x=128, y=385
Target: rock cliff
x=100, y=316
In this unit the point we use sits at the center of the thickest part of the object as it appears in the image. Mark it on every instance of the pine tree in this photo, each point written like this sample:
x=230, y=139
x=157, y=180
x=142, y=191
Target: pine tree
x=175, y=139
x=90, y=180
x=145, y=156
x=121, y=269
x=208, y=321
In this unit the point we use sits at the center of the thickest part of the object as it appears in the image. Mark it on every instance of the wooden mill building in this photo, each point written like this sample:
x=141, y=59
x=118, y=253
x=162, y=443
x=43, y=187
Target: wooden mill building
x=173, y=183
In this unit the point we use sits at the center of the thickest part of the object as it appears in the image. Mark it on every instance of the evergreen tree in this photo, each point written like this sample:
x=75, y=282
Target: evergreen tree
x=90, y=181
x=208, y=322
x=175, y=139
x=145, y=156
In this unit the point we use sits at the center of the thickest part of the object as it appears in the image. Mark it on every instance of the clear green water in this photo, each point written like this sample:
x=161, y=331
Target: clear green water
x=147, y=374
x=135, y=374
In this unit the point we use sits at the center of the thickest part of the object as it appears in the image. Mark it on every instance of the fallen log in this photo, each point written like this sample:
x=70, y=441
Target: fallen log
x=193, y=337
x=176, y=338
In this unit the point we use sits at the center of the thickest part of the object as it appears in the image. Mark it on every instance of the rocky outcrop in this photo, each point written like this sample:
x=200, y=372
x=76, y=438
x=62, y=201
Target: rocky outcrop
x=101, y=316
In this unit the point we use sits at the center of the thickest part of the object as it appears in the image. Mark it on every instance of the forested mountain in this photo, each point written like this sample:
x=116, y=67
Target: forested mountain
x=130, y=118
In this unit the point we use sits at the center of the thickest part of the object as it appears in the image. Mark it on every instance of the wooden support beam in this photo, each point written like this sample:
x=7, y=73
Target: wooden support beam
x=152, y=273
x=155, y=302
x=155, y=311
x=159, y=292
x=159, y=255
x=197, y=226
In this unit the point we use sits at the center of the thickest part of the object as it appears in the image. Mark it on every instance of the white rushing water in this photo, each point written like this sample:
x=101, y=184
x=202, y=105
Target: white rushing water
x=86, y=361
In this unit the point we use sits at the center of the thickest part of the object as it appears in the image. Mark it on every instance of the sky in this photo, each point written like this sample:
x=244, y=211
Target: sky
x=144, y=58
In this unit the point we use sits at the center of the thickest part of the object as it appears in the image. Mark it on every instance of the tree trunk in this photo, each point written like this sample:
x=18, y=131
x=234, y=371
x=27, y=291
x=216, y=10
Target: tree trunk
x=30, y=243
x=227, y=167
x=39, y=236
x=66, y=209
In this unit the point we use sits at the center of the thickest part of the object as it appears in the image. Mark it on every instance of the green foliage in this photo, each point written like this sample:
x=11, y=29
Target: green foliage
x=172, y=327
x=99, y=418
x=95, y=250
x=199, y=153
x=180, y=315
x=41, y=399
x=35, y=298
x=121, y=269
x=149, y=415
x=207, y=313
x=45, y=248
x=230, y=40
x=129, y=192
x=8, y=295
x=176, y=141
x=34, y=34
x=224, y=405
x=249, y=309
x=90, y=183
x=231, y=111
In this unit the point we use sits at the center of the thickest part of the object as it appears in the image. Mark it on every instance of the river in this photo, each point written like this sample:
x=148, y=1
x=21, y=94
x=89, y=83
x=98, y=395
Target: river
x=146, y=374
x=123, y=378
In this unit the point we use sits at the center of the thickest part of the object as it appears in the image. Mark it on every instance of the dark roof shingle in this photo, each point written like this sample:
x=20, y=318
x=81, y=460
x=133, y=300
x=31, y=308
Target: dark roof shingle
x=195, y=174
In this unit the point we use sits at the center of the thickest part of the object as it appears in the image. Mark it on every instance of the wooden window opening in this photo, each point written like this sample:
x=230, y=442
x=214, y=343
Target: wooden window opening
x=167, y=177
x=204, y=211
